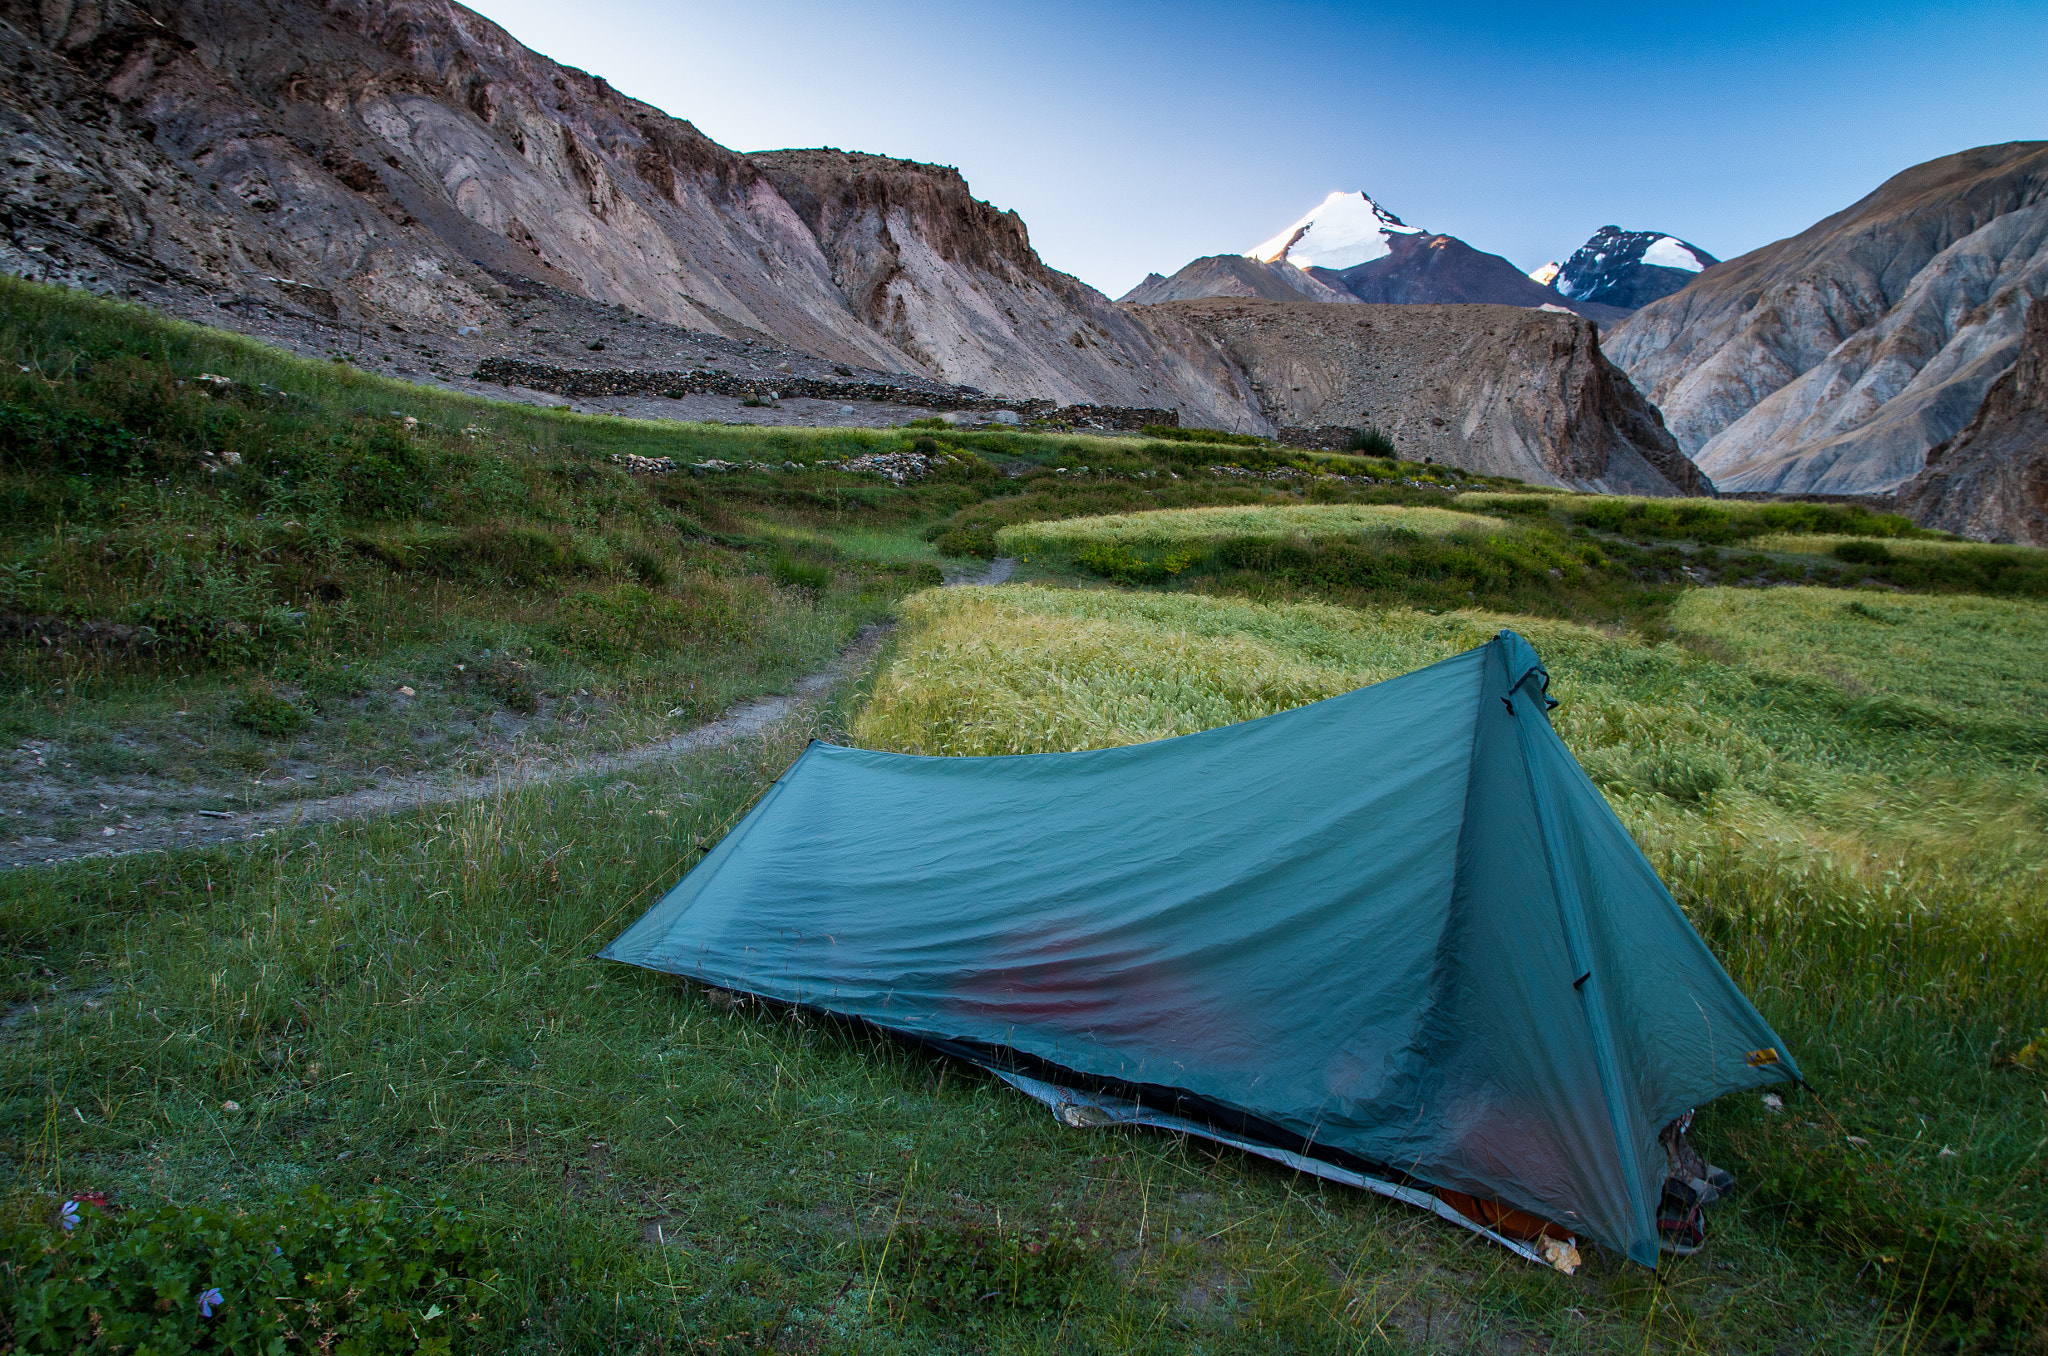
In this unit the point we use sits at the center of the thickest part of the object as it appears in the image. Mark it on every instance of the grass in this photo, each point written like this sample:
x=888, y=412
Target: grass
x=1876, y=883
x=1190, y=532
x=1843, y=788
x=1922, y=548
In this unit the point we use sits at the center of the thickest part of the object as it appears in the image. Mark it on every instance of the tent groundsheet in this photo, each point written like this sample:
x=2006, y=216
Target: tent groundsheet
x=1397, y=933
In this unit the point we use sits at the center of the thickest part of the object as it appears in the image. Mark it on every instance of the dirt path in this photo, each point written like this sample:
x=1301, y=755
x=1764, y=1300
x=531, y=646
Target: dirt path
x=193, y=827
x=404, y=793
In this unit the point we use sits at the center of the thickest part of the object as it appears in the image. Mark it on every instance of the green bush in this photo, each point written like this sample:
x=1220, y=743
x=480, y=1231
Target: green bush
x=208, y=609
x=967, y=541
x=1862, y=552
x=1372, y=442
x=794, y=573
x=70, y=443
x=267, y=714
x=1113, y=561
x=305, y=1274
x=648, y=567
x=510, y=683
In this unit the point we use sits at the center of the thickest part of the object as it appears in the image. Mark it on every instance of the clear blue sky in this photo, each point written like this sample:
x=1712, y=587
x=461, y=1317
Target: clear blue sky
x=1134, y=137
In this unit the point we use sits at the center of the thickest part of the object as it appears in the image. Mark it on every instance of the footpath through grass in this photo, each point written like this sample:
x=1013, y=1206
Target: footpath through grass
x=1844, y=787
x=230, y=577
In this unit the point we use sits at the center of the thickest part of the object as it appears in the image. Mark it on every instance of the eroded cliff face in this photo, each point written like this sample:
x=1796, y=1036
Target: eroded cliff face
x=1503, y=390
x=373, y=151
x=1990, y=481
x=956, y=284
x=365, y=159
x=1833, y=361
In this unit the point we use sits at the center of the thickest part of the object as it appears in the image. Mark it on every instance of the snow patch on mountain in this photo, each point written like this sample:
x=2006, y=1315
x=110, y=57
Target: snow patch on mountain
x=1344, y=231
x=1668, y=251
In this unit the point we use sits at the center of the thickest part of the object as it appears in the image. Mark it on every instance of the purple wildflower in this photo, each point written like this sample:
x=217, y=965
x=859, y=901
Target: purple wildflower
x=69, y=1216
x=207, y=1300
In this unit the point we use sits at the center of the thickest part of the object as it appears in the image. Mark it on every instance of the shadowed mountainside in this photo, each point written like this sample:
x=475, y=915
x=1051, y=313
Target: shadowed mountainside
x=1498, y=389
x=1991, y=480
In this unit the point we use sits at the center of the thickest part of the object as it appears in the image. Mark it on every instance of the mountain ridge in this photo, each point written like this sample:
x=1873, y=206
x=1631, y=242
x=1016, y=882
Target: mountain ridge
x=1833, y=360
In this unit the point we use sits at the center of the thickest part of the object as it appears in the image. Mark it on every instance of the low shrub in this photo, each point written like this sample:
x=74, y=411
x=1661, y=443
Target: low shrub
x=367, y=1276
x=1372, y=442
x=1861, y=551
x=1112, y=561
x=967, y=541
x=614, y=627
x=267, y=714
x=793, y=572
x=510, y=683
x=647, y=566
x=70, y=443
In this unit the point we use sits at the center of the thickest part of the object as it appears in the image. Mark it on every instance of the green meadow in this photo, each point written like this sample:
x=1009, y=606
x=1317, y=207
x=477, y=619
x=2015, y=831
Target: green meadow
x=364, y=1078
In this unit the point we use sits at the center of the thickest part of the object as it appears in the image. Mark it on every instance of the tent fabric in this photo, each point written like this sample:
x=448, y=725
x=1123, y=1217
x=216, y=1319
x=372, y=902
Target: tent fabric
x=1398, y=927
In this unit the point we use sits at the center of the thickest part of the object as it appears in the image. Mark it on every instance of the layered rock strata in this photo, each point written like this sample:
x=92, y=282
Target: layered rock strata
x=1500, y=390
x=1833, y=361
x=371, y=161
x=1990, y=481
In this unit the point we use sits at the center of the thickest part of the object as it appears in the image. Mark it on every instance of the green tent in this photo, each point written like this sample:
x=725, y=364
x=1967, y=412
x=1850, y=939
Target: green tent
x=1396, y=937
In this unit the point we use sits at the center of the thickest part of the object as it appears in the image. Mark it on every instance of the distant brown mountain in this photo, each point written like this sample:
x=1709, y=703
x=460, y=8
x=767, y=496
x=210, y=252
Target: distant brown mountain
x=1442, y=269
x=1500, y=389
x=384, y=161
x=1234, y=275
x=1833, y=361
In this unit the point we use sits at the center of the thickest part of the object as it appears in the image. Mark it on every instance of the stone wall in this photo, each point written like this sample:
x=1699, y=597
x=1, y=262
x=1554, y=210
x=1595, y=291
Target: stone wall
x=585, y=383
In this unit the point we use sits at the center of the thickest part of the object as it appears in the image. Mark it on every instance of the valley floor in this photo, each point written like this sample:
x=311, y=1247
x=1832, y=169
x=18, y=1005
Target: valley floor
x=223, y=1054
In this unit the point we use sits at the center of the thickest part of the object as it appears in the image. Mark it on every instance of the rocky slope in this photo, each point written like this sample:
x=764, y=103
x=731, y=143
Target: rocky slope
x=1991, y=480
x=1629, y=269
x=390, y=162
x=1833, y=361
x=956, y=285
x=1496, y=389
x=1233, y=275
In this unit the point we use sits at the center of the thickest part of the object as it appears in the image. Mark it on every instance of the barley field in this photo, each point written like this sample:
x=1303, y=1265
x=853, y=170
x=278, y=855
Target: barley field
x=1166, y=529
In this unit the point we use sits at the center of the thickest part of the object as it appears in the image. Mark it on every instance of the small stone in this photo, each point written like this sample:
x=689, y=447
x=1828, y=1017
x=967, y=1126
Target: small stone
x=230, y=1106
x=1007, y=417
x=405, y=692
x=106, y=833
x=846, y=409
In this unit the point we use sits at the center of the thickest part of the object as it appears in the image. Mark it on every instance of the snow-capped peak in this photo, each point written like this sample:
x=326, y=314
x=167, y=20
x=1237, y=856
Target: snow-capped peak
x=1629, y=268
x=1549, y=271
x=1344, y=231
